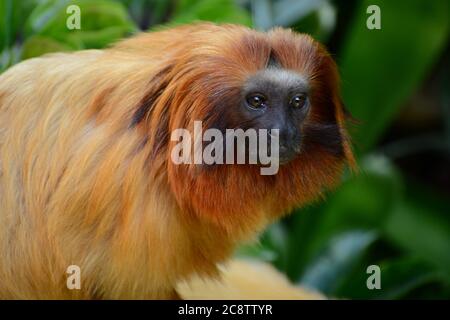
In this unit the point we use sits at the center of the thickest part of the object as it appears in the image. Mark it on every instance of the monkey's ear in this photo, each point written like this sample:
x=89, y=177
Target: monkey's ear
x=330, y=74
x=348, y=115
x=343, y=119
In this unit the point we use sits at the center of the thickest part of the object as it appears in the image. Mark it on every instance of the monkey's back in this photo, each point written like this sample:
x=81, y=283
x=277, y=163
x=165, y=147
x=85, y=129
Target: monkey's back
x=76, y=183
x=63, y=135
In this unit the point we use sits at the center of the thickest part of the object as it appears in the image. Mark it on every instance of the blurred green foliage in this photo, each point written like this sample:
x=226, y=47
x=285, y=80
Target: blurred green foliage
x=393, y=62
x=379, y=216
x=103, y=22
x=218, y=11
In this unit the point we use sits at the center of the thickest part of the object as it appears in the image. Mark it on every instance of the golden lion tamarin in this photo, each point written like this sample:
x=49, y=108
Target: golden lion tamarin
x=86, y=177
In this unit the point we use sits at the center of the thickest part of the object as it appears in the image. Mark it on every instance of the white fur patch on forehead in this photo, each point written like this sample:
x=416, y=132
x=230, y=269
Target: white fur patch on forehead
x=276, y=77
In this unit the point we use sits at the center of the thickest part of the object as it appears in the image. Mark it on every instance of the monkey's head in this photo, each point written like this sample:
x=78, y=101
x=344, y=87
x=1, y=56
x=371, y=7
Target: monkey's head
x=232, y=77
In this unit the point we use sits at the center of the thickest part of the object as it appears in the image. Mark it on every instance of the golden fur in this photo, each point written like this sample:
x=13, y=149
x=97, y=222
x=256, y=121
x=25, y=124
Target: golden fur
x=245, y=280
x=85, y=176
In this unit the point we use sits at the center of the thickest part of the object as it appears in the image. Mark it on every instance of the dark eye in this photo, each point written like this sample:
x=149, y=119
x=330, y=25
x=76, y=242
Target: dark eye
x=298, y=101
x=256, y=101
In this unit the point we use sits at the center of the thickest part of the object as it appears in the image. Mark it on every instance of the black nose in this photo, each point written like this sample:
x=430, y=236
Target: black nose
x=289, y=144
x=288, y=134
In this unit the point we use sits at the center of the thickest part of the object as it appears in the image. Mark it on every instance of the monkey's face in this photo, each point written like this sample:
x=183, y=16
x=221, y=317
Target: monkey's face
x=276, y=99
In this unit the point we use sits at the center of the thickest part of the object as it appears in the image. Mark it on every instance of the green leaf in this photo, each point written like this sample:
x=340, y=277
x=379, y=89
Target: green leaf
x=12, y=14
x=9, y=56
x=363, y=202
x=272, y=247
x=220, y=11
x=420, y=226
x=381, y=68
x=148, y=12
x=288, y=12
x=337, y=260
x=96, y=39
x=258, y=252
x=38, y=45
x=102, y=22
x=319, y=24
x=398, y=278
x=5, y=23
x=44, y=14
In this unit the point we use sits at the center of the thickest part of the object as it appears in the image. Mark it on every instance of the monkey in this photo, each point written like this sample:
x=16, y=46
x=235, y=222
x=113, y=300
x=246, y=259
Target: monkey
x=86, y=176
